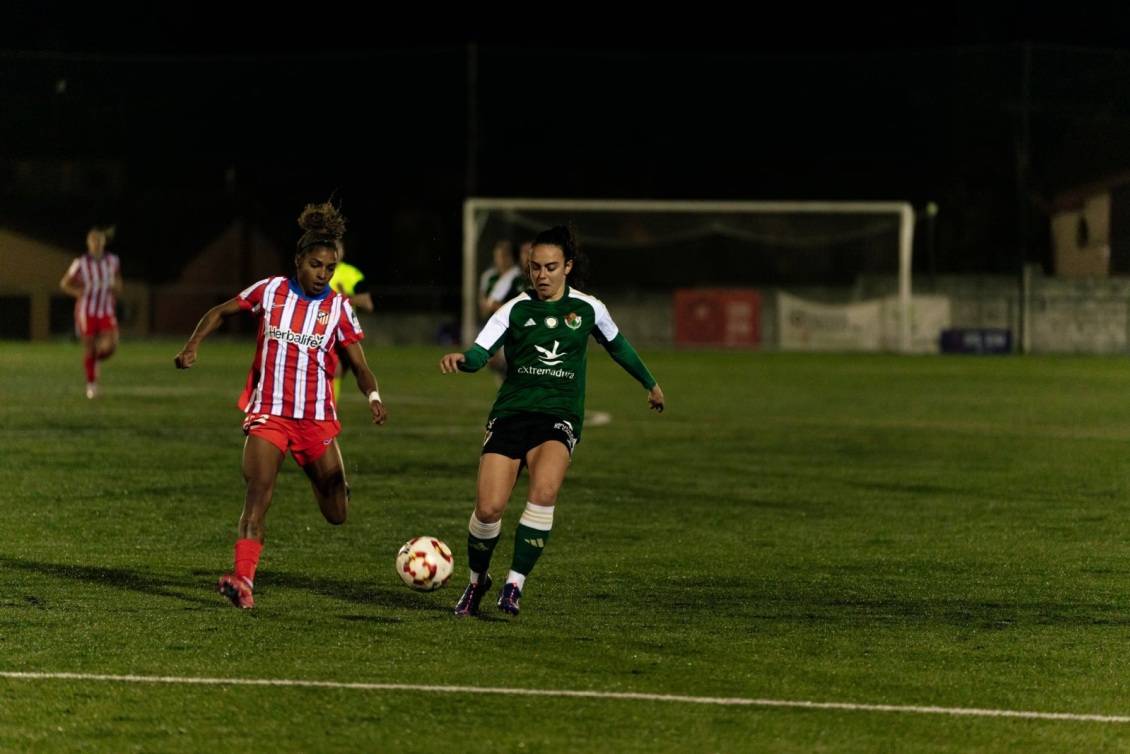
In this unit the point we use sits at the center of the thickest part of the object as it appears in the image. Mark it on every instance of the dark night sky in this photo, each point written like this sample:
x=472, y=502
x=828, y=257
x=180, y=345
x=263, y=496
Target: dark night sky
x=214, y=28
x=565, y=130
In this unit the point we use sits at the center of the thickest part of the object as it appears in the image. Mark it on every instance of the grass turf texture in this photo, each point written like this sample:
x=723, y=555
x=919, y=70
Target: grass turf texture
x=913, y=531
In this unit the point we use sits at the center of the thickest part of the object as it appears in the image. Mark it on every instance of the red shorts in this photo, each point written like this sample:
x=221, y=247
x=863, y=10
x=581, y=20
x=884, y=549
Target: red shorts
x=87, y=327
x=306, y=439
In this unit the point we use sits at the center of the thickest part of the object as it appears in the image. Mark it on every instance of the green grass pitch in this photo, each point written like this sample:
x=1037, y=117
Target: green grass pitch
x=804, y=553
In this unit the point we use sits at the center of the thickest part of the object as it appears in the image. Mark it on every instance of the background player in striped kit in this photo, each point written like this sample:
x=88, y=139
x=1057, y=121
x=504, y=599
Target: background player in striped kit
x=305, y=327
x=95, y=280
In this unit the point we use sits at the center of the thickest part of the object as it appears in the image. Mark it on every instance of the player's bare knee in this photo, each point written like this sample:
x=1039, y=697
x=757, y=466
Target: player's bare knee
x=543, y=495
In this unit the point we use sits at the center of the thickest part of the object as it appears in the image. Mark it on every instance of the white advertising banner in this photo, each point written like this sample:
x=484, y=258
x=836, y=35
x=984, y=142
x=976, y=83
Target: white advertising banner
x=809, y=326
x=929, y=316
x=862, y=326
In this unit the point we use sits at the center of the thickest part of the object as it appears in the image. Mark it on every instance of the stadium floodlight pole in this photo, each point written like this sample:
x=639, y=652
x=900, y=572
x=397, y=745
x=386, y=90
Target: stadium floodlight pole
x=474, y=221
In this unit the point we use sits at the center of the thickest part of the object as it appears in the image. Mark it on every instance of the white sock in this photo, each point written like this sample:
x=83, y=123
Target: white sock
x=483, y=531
x=538, y=517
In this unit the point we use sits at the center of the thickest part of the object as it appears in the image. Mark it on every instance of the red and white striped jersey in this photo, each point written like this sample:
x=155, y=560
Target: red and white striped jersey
x=296, y=356
x=97, y=279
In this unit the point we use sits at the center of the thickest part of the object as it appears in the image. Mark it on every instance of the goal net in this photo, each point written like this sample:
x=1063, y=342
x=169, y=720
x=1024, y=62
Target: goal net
x=776, y=268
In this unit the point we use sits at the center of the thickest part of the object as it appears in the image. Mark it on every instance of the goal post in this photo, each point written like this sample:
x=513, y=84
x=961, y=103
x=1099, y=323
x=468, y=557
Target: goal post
x=772, y=238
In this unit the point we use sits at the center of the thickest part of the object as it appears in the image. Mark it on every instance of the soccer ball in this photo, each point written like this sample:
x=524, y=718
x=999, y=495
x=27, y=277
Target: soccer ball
x=424, y=564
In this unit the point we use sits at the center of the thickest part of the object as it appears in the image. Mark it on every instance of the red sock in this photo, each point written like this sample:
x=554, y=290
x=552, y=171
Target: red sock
x=90, y=365
x=247, y=558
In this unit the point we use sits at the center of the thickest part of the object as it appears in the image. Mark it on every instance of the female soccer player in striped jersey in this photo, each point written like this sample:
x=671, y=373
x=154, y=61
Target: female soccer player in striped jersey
x=95, y=280
x=538, y=414
x=305, y=327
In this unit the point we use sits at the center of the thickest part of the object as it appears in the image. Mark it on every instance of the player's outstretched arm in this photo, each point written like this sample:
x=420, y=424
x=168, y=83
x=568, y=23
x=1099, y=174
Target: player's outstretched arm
x=208, y=324
x=354, y=357
x=363, y=302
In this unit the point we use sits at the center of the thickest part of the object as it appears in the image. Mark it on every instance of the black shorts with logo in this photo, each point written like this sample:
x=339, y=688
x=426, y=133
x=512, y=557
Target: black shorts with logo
x=514, y=436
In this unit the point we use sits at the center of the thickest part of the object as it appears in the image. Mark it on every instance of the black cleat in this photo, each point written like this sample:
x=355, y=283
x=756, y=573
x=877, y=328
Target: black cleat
x=508, y=600
x=469, y=603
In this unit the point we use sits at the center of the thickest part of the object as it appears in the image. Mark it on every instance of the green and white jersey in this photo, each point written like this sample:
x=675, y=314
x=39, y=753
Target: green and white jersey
x=487, y=279
x=547, y=353
x=507, y=285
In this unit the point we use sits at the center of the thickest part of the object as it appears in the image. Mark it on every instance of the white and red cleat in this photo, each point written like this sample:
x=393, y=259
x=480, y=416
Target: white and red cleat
x=237, y=589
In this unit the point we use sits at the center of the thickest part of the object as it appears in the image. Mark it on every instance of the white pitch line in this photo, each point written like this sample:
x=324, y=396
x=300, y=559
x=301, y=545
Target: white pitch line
x=725, y=701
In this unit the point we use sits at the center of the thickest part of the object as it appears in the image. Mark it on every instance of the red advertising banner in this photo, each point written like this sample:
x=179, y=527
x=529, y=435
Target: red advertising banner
x=718, y=317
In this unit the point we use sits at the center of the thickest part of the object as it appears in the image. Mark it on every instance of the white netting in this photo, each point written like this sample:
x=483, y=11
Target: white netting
x=638, y=248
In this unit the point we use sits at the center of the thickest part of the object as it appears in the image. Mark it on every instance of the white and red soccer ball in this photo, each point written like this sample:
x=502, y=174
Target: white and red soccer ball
x=424, y=564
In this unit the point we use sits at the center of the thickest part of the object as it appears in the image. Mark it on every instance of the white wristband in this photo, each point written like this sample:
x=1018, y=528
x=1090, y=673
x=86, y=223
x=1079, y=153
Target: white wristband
x=374, y=396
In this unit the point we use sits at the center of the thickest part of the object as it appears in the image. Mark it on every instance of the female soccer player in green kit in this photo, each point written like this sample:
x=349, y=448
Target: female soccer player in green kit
x=538, y=414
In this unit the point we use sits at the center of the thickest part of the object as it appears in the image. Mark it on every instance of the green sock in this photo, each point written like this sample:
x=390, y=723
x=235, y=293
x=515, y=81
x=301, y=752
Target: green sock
x=528, y=546
x=479, y=552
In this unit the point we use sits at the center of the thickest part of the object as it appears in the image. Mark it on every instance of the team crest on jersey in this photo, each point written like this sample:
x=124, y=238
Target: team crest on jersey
x=551, y=322
x=573, y=321
x=323, y=317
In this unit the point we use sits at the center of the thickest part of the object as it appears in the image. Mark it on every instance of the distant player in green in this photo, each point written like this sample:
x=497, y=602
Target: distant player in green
x=539, y=412
x=503, y=263
x=499, y=283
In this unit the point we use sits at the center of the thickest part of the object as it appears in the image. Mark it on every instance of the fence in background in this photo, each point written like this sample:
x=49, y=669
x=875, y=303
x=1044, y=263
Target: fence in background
x=1042, y=315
